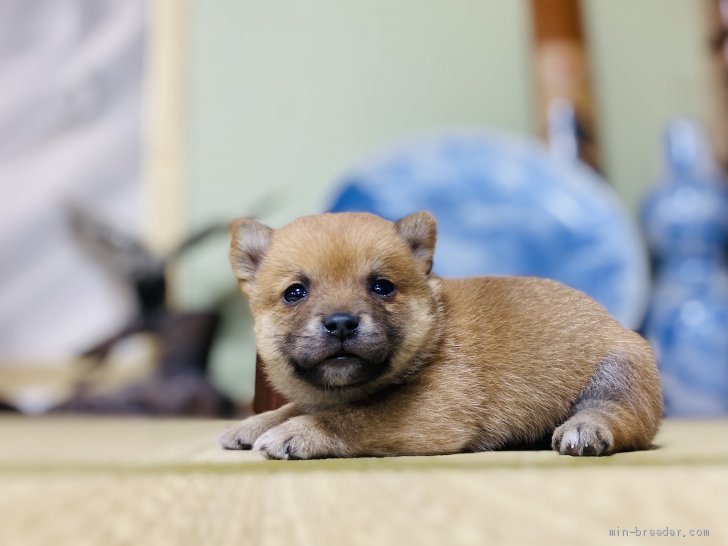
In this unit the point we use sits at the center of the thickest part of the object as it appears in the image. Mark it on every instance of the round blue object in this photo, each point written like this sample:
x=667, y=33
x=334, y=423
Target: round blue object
x=506, y=207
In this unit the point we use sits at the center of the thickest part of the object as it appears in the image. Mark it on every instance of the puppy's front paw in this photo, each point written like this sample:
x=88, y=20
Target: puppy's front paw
x=300, y=438
x=585, y=437
x=244, y=434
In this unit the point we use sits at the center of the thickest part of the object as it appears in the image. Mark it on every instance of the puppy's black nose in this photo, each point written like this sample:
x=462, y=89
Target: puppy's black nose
x=341, y=325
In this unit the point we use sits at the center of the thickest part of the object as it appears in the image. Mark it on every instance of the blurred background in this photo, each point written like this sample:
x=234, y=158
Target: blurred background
x=579, y=140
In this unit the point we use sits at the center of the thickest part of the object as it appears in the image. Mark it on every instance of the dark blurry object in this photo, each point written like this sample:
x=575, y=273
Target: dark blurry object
x=562, y=72
x=179, y=384
x=7, y=407
x=685, y=219
x=266, y=397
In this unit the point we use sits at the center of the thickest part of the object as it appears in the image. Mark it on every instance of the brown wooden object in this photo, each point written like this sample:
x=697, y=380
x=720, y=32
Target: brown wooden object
x=266, y=398
x=717, y=25
x=561, y=70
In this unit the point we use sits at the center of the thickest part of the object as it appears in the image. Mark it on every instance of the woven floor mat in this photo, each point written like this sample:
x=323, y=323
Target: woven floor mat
x=120, y=481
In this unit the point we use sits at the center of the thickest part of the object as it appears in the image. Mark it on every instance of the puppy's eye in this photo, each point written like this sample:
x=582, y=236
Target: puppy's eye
x=382, y=287
x=295, y=292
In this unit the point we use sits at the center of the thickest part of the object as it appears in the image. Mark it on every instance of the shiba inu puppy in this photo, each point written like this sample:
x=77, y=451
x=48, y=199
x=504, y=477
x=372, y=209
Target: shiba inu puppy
x=378, y=356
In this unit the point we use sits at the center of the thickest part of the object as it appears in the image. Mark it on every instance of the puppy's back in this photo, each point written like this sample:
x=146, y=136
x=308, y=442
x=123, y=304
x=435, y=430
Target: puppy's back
x=529, y=348
x=528, y=315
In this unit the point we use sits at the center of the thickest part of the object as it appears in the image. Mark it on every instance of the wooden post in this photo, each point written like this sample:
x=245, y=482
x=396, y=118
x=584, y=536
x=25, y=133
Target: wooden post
x=717, y=21
x=561, y=70
x=266, y=398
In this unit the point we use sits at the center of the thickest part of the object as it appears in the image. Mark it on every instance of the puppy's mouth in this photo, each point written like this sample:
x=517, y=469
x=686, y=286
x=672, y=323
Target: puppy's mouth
x=340, y=357
x=340, y=369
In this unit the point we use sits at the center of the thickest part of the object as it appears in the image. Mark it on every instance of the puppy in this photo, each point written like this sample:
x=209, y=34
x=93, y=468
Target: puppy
x=377, y=356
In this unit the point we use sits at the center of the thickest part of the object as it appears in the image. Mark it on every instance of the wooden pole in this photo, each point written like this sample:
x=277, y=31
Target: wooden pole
x=266, y=398
x=717, y=21
x=561, y=70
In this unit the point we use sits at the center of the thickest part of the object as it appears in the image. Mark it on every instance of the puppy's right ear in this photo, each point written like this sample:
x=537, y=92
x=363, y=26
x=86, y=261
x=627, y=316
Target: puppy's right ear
x=250, y=243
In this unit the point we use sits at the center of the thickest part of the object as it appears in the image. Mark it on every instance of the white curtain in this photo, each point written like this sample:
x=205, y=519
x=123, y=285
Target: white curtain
x=70, y=131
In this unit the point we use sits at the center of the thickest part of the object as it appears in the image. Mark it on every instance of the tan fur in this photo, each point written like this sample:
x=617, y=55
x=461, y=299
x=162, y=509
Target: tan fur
x=471, y=364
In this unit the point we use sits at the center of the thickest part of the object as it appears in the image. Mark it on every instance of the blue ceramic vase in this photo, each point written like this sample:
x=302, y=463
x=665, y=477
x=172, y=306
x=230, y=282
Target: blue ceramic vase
x=685, y=220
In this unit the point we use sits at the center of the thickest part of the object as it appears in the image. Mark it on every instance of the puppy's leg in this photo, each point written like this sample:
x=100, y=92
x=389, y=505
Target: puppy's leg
x=244, y=434
x=304, y=437
x=620, y=409
x=402, y=425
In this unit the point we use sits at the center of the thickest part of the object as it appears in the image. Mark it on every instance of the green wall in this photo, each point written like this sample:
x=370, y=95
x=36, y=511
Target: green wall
x=285, y=96
x=650, y=64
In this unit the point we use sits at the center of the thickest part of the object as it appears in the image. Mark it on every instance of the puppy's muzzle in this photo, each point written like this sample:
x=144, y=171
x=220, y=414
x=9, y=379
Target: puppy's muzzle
x=341, y=325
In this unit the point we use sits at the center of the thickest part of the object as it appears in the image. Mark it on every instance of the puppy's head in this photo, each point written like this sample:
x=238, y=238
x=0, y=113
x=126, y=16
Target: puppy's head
x=343, y=303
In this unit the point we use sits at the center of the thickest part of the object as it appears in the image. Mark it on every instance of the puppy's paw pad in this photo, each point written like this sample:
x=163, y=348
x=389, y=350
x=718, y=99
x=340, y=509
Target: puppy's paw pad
x=582, y=438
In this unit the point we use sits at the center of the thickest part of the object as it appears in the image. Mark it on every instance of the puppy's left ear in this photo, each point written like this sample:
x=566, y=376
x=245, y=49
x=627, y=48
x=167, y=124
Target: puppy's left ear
x=419, y=230
x=249, y=245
